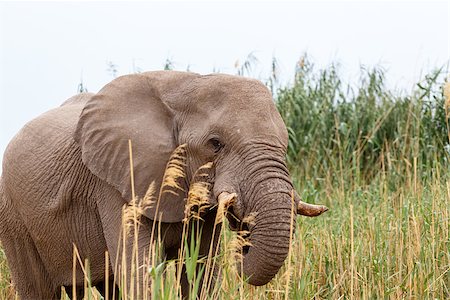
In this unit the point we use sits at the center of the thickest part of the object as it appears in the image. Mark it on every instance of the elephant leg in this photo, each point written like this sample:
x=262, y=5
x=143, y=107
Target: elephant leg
x=112, y=289
x=29, y=275
x=120, y=250
x=100, y=286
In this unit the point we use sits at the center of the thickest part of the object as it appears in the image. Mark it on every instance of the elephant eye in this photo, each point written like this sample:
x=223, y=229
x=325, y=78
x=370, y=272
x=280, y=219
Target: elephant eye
x=216, y=144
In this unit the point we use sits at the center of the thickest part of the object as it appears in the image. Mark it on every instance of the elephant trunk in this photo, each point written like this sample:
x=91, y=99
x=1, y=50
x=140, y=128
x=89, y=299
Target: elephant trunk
x=269, y=242
x=271, y=203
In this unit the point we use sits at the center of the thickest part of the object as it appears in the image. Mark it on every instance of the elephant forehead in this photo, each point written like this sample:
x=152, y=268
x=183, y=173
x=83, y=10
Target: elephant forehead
x=253, y=120
x=230, y=88
x=233, y=105
x=232, y=96
x=250, y=109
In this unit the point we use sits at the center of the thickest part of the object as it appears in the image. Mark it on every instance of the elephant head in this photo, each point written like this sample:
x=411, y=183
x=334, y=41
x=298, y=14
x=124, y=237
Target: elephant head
x=228, y=120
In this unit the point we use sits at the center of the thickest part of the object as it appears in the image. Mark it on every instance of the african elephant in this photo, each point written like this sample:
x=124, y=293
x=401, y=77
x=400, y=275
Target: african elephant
x=66, y=174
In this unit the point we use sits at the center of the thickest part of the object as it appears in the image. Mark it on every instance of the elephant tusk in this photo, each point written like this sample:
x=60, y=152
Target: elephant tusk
x=226, y=199
x=310, y=210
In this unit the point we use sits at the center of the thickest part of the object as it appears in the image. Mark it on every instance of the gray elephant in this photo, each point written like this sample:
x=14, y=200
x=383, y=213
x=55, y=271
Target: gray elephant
x=66, y=174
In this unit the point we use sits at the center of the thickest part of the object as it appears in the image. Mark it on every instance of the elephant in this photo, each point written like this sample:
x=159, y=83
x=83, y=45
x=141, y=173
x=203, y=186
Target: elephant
x=66, y=175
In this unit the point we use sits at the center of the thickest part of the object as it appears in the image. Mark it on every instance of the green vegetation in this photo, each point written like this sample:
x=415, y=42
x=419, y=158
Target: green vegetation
x=380, y=160
x=6, y=290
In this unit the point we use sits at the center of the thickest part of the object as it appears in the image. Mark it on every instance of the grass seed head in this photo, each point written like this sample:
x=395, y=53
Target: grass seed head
x=447, y=95
x=237, y=245
x=149, y=198
x=131, y=215
x=174, y=171
x=250, y=219
x=198, y=197
x=199, y=193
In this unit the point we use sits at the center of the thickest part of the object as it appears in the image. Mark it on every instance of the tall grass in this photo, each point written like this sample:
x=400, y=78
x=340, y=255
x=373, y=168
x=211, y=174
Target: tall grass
x=355, y=133
x=381, y=161
x=378, y=158
x=6, y=288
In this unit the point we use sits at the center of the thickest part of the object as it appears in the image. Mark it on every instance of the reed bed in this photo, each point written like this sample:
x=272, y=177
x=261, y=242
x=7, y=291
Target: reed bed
x=379, y=159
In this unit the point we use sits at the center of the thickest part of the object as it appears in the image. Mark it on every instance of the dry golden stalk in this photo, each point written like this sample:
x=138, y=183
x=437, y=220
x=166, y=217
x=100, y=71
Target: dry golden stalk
x=174, y=171
x=236, y=245
x=447, y=95
x=199, y=193
x=131, y=215
x=250, y=219
x=149, y=198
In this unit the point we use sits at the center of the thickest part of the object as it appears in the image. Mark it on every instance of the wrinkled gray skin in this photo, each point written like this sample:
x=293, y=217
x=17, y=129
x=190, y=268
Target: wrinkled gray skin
x=66, y=174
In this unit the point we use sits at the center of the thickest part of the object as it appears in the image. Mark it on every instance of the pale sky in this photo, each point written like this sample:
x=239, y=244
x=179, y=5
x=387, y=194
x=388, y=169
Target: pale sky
x=47, y=47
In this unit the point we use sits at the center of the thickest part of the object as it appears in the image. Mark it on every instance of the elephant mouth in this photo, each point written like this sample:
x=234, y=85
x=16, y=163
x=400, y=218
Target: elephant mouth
x=235, y=223
x=242, y=228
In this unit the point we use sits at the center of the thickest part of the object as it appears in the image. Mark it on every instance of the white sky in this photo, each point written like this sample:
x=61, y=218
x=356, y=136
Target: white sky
x=46, y=48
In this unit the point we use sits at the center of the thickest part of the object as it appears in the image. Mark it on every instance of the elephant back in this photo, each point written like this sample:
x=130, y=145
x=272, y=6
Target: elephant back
x=41, y=154
x=49, y=194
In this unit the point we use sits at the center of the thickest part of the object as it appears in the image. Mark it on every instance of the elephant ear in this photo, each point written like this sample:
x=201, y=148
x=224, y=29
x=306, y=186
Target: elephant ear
x=131, y=108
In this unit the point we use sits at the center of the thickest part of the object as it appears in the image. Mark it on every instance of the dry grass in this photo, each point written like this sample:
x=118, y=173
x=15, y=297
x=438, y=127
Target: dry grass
x=383, y=238
x=374, y=243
